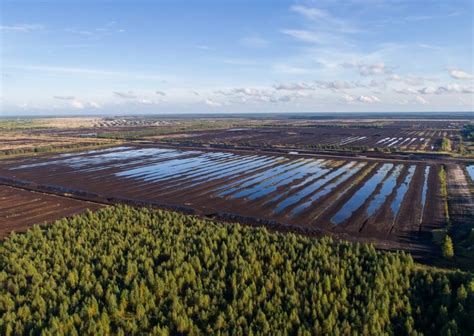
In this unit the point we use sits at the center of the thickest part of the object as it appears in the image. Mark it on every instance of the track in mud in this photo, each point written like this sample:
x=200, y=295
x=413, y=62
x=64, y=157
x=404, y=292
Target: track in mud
x=20, y=209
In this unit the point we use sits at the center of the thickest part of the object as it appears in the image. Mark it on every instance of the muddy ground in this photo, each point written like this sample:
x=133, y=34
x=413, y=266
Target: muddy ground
x=20, y=209
x=88, y=176
x=314, y=136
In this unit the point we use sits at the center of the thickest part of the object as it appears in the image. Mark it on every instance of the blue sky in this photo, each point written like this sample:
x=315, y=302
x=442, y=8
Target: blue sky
x=94, y=57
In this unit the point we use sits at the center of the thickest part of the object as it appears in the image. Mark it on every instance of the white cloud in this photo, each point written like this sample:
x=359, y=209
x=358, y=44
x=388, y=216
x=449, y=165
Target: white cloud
x=204, y=47
x=368, y=99
x=21, y=28
x=454, y=88
x=77, y=104
x=64, y=97
x=410, y=79
x=421, y=100
x=348, y=98
x=283, y=99
x=294, y=86
x=266, y=95
x=335, y=85
x=394, y=78
x=380, y=84
x=321, y=28
x=365, y=70
x=145, y=101
x=304, y=35
x=140, y=99
x=126, y=95
x=254, y=42
x=427, y=90
x=465, y=102
x=237, y=61
x=244, y=91
x=325, y=20
x=407, y=90
x=428, y=46
x=95, y=105
x=311, y=13
x=82, y=32
x=416, y=80
x=460, y=74
x=443, y=89
x=212, y=103
x=447, y=89
x=292, y=70
x=97, y=33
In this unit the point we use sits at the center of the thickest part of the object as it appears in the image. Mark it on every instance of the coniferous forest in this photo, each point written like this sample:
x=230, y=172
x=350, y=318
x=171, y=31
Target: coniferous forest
x=126, y=271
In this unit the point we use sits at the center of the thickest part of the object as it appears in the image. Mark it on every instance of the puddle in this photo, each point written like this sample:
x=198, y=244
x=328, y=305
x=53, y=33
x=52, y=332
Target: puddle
x=172, y=167
x=361, y=195
x=326, y=190
x=284, y=179
x=222, y=171
x=259, y=177
x=387, y=188
x=271, y=163
x=308, y=190
x=261, y=184
x=313, y=173
x=211, y=167
x=382, y=140
x=394, y=142
x=84, y=159
x=401, y=191
x=424, y=191
x=470, y=171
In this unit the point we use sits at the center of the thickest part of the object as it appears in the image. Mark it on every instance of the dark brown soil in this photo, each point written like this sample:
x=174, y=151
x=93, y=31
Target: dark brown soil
x=20, y=209
x=97, y=182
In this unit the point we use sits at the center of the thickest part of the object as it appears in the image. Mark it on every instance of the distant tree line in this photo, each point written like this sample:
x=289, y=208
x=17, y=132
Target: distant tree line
x=44, y=149
x=127, y=271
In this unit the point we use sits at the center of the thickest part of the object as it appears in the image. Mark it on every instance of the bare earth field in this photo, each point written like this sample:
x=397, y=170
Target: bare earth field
x=20, y=209
x=20, y=141
x=254, y=171
x=308, y=137
x=460, y=196
x=394, y=204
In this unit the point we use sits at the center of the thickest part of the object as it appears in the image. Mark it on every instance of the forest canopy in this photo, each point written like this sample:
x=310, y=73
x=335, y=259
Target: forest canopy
x=124, y=270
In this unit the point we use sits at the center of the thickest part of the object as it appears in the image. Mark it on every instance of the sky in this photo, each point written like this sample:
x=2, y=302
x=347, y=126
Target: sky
x=118, y=57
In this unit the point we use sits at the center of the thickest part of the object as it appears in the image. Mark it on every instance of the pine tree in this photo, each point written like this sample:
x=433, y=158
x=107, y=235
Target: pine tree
x=448, y=249
x=124, y=271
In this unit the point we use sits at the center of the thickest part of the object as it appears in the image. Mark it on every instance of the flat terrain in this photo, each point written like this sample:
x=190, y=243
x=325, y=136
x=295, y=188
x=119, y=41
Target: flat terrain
x=360, y=134
x=368, y=179
x=20, y=209
x=327, y=137
x=391, y=202
x=459, y=191
x=17, y=142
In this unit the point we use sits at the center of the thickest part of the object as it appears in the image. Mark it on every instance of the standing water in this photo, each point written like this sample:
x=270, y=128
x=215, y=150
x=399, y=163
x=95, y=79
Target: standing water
x=424, y=191
x=401, y=191
x=386, y=190
x=361, y=195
